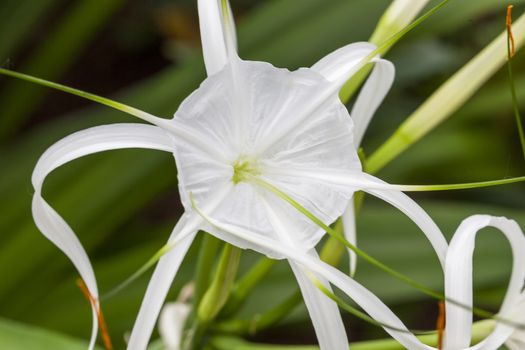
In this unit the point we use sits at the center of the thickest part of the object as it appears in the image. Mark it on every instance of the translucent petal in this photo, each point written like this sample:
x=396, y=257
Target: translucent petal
x=352, y=180
x=341, y=64
x=171, y=324
x=371, y=96
x=74, y=146
x=167, y=268
x=458, y=282
x=234, y=112
x=362, y=296
x=217, y=33
x=323, y=311
x=160, y=283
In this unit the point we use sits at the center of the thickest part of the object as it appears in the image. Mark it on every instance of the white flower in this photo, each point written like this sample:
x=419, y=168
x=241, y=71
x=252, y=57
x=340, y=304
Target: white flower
x=251, y=120
x=458, y=287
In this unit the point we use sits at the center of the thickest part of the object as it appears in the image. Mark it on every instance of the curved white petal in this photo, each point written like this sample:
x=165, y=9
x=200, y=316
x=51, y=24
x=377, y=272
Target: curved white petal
x=350, y=233
x=371, y=96
x=217, y=33
x=372, y=185
x=98, y=139
x=325, y=315
x=74, y=146
x=411, y=209
x=166, y=270
x=323, y=311
x=341, y=64
x=171, y=324
x=458, y=283
x=362, y=296
x=159, y=285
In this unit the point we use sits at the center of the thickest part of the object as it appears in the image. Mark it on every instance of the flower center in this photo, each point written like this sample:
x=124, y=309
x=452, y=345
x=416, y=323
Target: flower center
x=244, y=168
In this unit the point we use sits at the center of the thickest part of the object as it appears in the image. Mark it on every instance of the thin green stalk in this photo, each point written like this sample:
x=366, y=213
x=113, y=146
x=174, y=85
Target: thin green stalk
x=203, y=268
x=216, y=296
x=480, y=330
x=261, y=321
x=353, y=84
x=356, y=312
x=461, y=186
x=332, y=251
x=89, y=96
x=510, y=55
x=242, y=289
x=151, y=261
x=365, y=256
x=373, y=261
x=446, y=99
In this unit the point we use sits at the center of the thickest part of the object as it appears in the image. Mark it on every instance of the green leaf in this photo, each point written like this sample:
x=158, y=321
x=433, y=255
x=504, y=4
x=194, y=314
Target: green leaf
x=18, y=336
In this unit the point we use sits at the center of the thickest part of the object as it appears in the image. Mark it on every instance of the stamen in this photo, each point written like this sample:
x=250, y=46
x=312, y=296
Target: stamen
x=440, y=325
x=508, y=24
x=243, y=169
x=100, y=317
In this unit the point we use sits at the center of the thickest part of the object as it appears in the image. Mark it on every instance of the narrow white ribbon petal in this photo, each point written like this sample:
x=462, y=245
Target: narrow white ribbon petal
x=411, y=209
x=341, y=64
x=371, y=96
x=74, y=146
x=380, y=189
x=166, y=270
x=458, y=282
x=160, y=283
x=350, y=233
x=217, y=33
x=323, y=311
x=362, y=296
x=171, y=324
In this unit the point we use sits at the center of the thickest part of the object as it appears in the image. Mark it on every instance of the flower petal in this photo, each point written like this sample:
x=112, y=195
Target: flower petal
x=371, y=96
x=325, y=315
x=160, y=283
x=217, y=33
x=181, y=238
x=380, y=189
x=458, y=282
x=341, y=64
x=171, y=324
x=350, y=233
x=362, y=296
x=323, y=311
x=74, y=146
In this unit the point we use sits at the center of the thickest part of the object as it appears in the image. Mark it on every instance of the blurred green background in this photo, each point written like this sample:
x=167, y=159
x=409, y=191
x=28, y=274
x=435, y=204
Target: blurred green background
x=122, y=204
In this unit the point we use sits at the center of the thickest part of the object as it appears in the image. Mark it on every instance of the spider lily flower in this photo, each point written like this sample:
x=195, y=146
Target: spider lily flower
x=458, y=287
x=249, y=120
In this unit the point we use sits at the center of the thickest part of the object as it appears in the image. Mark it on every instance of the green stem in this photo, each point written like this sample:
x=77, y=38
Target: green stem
x=480, y=330
x=203, y=269
x=216, y=296
x=515, y=105
x=88, y=96
x=373, y=261
x=242, y=289
x=260, y=321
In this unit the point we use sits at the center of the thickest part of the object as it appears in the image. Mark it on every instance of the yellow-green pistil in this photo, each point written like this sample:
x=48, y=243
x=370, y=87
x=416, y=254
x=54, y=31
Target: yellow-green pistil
x=243, y=169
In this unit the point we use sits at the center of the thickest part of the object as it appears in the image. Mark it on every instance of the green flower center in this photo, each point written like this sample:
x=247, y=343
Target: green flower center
x=243, y=169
